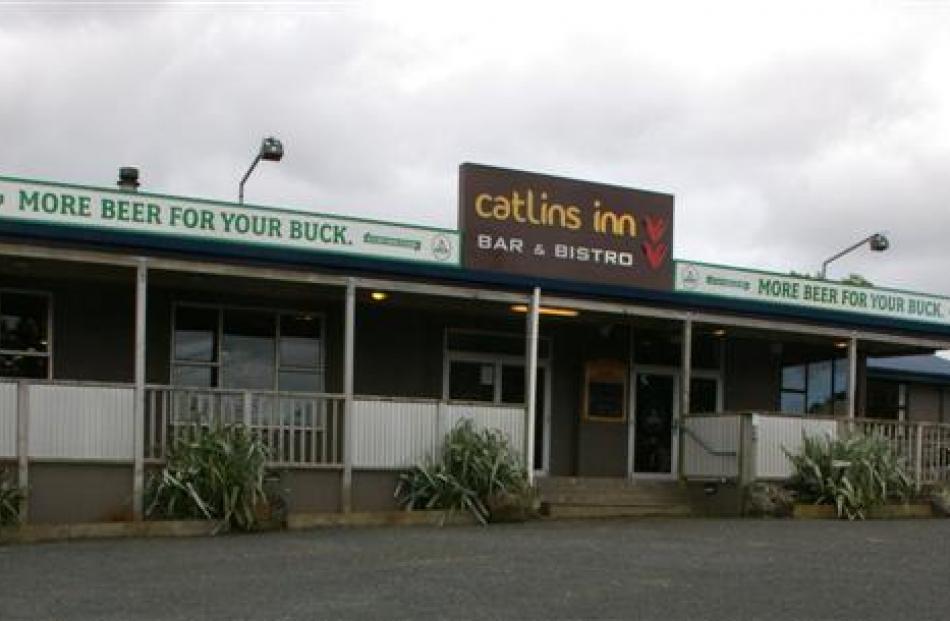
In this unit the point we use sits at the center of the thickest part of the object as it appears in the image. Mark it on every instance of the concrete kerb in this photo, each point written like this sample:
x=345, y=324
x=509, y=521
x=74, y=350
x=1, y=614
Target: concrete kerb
x=303, y=521
x=36, y=533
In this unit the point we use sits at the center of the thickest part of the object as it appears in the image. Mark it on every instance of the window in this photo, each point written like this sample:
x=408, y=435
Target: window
x=25, y=348
x=487, y=366
x=887, y=399
x=247, y=349
x=815, y=388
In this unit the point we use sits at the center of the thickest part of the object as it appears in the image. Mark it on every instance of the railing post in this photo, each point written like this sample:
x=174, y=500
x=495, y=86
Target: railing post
x=246, y=408
x=138, y=423
x=919, y=453
x=531, y=381
x=852, y=376
x=349, y=339
x=439, y=426
x=23, y=446
x=686, y=366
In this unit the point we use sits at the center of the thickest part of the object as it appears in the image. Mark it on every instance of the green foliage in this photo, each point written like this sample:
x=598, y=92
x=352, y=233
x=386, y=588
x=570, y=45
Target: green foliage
x=853, y=473
x=218, y=475
x=764, y=499
x=10, y=497
x=475, y=472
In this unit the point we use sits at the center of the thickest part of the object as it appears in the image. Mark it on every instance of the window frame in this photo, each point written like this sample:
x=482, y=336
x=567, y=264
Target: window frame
x=218, y=363
x=806, y=366
x=48, y=354
x=497, y=360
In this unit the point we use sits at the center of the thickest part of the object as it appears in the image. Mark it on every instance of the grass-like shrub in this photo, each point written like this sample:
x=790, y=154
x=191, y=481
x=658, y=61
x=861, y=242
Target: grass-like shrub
x=217, y=475
x=10, y=498
x=853, y=473
x=476, y=472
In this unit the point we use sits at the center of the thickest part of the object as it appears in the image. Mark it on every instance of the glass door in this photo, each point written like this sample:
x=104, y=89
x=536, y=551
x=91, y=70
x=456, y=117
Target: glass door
x=655, y=402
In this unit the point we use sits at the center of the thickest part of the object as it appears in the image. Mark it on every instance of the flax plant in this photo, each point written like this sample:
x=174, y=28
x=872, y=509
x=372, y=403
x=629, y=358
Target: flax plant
x=475, y=470
x=217, y=475
x=854, y=473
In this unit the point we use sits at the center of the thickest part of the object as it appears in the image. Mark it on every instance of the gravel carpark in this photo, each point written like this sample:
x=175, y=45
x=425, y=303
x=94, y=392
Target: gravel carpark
x=641, y=569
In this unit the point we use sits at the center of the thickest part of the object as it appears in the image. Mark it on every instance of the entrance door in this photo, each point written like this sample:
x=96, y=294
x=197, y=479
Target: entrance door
x=654, y=442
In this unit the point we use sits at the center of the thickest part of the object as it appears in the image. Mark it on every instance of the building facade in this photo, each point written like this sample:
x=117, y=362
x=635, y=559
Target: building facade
x=555, y=314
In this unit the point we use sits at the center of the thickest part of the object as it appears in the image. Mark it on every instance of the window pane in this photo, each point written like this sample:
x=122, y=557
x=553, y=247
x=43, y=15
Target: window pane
x=24, y=322
x=660, y=348
x=793, y=403
x=248, y=350
x=883, y=400
x=300, y=381
x=472, y=381
x=193, y=376
x=702, y=395
x=706, y=351
x=299, y=340
x=793, y=378
x=819, y=388
x=196, y=334
x=512, y=384
x=27, y=367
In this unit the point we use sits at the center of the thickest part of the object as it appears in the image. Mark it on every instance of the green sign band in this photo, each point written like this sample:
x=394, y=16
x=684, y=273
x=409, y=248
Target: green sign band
x=751, y=285
x=37, y=202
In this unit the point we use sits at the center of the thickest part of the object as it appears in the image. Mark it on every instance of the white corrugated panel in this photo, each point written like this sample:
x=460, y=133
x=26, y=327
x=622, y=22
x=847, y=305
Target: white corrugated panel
x=392, y=434
x=7, y=419
x=777, y=434
x=718, y=433
x=509, y=421
x=81, y=422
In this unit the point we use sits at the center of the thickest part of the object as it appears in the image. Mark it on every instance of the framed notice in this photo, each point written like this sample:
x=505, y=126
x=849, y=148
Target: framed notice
x=605, y=391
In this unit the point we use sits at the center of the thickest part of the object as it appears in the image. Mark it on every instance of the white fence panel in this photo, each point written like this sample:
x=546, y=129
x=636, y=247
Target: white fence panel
x=508, y=420
x=716, y=435
x=393, y=434
x=81, y=422
x=777, y=434
x=8, y=399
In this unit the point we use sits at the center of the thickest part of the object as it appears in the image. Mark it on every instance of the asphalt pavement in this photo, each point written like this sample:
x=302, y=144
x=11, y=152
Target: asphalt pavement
x=645, y=569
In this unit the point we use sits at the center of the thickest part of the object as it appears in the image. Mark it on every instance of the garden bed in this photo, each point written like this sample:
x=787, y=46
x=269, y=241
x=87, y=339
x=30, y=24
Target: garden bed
x=32, y=533
x=883, y=512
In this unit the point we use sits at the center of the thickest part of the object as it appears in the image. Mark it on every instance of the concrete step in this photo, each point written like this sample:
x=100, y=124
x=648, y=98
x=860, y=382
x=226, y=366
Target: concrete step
x=558, y=511
x=616, y=498
x=600, y=483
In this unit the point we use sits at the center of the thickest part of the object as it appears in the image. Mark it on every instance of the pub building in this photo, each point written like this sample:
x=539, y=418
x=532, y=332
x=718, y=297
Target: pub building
x=556, y=313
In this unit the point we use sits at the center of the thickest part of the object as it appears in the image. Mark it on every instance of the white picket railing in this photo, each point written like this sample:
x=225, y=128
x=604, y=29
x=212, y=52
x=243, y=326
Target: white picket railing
x=752, y=446
x=300, y=429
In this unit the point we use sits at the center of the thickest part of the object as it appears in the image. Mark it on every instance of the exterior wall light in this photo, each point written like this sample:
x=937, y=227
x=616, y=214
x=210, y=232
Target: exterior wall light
x=547, y=310
x=379, y=296
x=272, y=151
x=878, y=242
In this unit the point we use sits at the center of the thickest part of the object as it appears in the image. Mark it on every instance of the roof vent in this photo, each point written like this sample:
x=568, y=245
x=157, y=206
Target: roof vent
x=128, y=178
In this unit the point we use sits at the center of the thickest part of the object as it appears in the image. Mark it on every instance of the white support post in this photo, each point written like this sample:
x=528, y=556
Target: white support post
x=349, y=338
x=23, y=447
x=686, y=367
x=852, y=376
x=138, y=423
x=531, y=381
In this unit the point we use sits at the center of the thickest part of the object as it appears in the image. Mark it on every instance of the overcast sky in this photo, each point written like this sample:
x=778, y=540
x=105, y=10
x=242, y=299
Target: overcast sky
x=785, y=132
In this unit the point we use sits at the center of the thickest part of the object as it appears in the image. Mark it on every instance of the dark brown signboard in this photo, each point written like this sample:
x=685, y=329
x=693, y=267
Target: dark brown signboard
x=537, y=225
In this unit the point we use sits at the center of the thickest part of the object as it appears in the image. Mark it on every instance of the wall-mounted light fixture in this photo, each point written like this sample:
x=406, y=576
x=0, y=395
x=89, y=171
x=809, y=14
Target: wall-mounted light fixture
x=547, y=310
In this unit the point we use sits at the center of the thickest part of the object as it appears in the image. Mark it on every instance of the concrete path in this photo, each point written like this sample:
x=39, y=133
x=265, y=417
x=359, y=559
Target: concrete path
x=653, y=569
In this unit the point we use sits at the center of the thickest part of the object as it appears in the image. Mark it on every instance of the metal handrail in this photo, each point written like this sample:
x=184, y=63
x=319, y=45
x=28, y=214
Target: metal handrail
x=706, y=447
